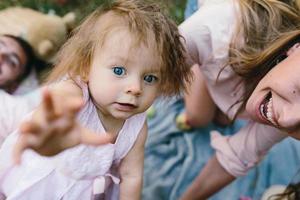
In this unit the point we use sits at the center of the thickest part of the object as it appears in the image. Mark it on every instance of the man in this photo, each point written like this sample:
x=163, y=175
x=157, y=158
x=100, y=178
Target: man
x=16, y=61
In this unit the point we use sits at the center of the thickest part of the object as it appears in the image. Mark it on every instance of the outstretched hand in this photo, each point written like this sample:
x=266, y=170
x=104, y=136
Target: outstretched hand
x=53, y=130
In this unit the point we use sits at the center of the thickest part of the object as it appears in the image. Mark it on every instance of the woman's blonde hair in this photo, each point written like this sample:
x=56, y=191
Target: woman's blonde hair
x=143, y=19
x=269, y=28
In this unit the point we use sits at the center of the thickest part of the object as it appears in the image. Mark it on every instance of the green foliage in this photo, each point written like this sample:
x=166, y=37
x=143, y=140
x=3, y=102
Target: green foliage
x=84, y=7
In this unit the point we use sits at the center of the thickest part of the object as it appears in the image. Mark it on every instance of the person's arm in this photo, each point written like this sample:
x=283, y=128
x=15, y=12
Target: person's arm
x=131, y=169
x=53, y=126
x=235, y=156
x=199, y=105
x=211, y=179
x=200, y=108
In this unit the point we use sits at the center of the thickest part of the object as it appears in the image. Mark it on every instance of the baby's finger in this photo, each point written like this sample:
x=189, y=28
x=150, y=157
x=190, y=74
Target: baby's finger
x=24, y=142
x=48, y=105
x=88, y=137
x=74, y=107
x=20, y=146
x=30, y=127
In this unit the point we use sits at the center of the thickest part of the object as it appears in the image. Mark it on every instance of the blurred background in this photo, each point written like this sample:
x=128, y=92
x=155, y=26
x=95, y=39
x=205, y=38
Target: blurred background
x=175, y=8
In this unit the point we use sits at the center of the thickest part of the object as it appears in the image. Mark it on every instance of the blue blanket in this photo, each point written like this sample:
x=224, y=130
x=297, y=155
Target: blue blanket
x=173, y=158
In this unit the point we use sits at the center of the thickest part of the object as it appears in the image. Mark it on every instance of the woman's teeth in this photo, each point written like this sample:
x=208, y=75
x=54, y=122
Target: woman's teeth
x=266, y=110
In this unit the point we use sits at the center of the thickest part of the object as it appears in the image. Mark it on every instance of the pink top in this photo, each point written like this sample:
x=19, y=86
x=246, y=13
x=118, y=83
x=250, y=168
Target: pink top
x=77, y=173
x=208, y=34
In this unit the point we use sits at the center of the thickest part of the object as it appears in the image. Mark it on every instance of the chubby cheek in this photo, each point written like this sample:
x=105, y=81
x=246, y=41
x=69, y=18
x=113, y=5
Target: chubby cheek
x=109, y=91
x=148, y=102
x=251, y=102
x=150, y=97
x=256, y=96
x=248, y=107
x=102, y=91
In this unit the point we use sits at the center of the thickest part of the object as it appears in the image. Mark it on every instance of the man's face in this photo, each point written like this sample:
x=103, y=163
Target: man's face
x=12, y=63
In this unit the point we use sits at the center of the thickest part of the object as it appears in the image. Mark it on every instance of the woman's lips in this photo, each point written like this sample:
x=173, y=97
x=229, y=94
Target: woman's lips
x=266, y=111
x=263, y=108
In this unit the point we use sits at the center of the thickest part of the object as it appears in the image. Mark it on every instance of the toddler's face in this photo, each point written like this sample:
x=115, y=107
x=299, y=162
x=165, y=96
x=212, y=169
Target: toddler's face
x=276, y=99
x=124, y=78
x=12, y=61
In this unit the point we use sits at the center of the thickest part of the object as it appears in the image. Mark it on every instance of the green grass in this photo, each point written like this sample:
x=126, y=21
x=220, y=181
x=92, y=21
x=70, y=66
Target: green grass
x=84, y=7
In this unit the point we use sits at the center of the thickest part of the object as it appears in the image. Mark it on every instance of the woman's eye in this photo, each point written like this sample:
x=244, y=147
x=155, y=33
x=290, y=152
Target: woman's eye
x=119, y=71
x=150, y=78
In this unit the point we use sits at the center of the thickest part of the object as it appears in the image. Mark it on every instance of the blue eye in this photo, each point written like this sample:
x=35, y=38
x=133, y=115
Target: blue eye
x=119, y=71
x=150, y=79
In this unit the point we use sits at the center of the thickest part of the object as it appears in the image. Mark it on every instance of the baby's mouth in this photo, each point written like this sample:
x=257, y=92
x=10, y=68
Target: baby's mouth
x=266, y=109
x=128, y=105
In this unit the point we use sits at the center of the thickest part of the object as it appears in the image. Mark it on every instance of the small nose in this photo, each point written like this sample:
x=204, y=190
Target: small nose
x=134, y=88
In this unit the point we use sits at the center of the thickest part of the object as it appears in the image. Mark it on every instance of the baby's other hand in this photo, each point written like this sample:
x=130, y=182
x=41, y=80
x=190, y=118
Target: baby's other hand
x=53, y=130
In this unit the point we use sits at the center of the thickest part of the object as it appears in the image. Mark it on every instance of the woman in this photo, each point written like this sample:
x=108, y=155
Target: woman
x=225, y=38
x=233, y=56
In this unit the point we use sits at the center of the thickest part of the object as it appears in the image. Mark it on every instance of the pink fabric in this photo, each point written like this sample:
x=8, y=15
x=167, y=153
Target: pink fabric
x=208, y=34
x=71, y=174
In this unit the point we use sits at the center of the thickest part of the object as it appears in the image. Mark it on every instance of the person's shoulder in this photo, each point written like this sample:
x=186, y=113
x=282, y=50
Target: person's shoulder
x=215, y=10
x=210, y=17
x=216, y=3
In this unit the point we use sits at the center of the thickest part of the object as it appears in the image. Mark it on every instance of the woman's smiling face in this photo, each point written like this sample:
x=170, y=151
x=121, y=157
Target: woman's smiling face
x=276, y=99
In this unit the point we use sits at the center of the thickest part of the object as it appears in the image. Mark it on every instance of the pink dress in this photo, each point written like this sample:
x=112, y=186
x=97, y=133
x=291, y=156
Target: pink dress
x=82, y=172
x=208, y=33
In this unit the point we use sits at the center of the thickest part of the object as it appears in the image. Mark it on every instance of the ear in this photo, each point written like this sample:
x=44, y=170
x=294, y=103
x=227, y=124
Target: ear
x=69, y=20
x=45, y=48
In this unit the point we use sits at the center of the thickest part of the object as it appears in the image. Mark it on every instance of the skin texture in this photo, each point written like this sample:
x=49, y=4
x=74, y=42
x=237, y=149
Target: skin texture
x=200, y=189
x=122, y=82
x=128, y=93
x=12, y=63
x=198, y=92
x=53, y=127
x=282, y=82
